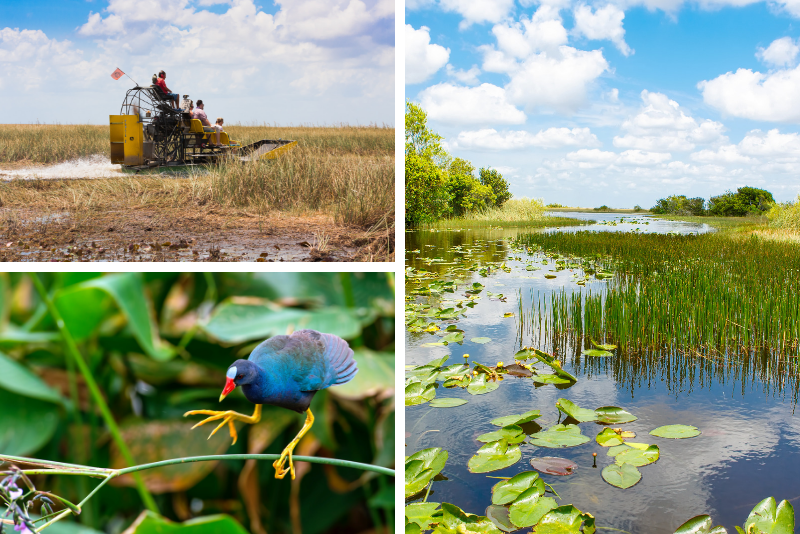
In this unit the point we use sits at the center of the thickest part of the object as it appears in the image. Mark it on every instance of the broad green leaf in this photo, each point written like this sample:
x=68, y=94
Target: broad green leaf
x=418, y=393
x=507, y=432
x=597, y=353
x=615, y=450
x=559, y=436
x=700, y=524
x=433, y=458
x=622, y=476
x=412, y=528
x=453, y=517
x=417, y=476
x=82, y=309
x=515, y=419
x=447, y=403
x=562, y=520
x=18, y=379
x=507, y=491
x=25, y=423
x=479, y=385
x=603, y=347
x=675, y=431
x=235, y=322
x=481, y=340
x=609, y=438
x=453, y=337
x=65, y=526
x=375, y=375
x=12, y=336
x=530, y=507
x=456, y=369
x=550, y=379
x=554, y=364
x=421, y=512
x=638, y=457
x=151, y=523
x=500, y=517
x=571, y=409
x=493, y=456
x=613, y=415
x=767, y=518
x=438, y=362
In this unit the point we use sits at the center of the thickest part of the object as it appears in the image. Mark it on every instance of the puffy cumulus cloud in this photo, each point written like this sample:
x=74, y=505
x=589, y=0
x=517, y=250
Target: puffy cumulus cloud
x=484, y=104
x=594, y=158
x=468, y=77
x=754, y=95
x=543, y=31
x=491, y=139
x=725, y=154
x=603, y=23
x=423, y=59
x=661, y=125
x=772, y=144
x=478, y=11
x=780, y=53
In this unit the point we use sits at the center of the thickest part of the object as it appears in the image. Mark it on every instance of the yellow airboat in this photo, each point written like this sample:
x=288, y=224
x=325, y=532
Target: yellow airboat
x=149, y=133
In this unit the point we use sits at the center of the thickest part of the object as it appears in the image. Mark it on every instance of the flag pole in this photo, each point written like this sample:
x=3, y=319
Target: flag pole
x=134, y=81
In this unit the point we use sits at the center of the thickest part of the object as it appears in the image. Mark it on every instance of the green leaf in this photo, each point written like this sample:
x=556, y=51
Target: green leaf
x=421, y=513
x=766, y=518
x=481, y=340
x=433, y=458
x=516, y=419
x=18, y=379
x=573, y=410
x=453, y=517
x=25, y=423
x=479, y=385
x=151, y=523
x=638, y=457
x=417, y=476
x=375, y=375
x=562, y=520
x=613, y=415
x=700, y=524
x=675, y=431
x=609, y=438
x=603, y=347
x=453, y=337
x=550, y=379
x=622, y=476
x=597, y=353
x=500, y=517
x=82, y=308
x=507, y=491
x=419, y=393
x=494, y=456
x=530, y=507
x=447, y=403
x=12, y=336
x=455, y=369
x=233, y=322
x=559, y=436
x=508, y=432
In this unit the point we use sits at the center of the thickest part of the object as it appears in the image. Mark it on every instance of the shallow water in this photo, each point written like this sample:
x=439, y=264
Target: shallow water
x=749, y=448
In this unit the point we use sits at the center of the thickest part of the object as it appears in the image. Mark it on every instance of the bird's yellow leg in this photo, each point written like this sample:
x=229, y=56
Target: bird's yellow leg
x=280, y=470
x=228, y=417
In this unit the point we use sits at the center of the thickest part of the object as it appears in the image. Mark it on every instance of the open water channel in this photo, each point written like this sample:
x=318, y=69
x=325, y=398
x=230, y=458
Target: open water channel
x=748, y=449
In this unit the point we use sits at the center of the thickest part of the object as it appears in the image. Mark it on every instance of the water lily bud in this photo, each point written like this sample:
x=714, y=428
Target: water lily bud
x=466, y=356
x=499, y=364
x=594, y=454
x=475, y=373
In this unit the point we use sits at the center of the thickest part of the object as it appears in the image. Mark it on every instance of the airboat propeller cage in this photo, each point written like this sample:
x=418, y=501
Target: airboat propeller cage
x=149, y=132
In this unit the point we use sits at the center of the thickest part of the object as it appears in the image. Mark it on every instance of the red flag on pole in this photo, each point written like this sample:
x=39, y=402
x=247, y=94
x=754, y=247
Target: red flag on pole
x=117, y=74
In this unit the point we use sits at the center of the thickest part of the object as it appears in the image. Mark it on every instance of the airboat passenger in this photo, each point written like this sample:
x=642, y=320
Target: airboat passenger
x=200, y=115
x=162, y=83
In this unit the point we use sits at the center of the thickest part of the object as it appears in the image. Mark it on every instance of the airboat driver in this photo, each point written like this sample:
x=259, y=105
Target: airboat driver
x=200, y=115
x=162, y=83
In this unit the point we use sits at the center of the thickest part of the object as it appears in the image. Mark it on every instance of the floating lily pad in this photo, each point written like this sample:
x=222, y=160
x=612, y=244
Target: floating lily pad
x=768, y=518
x=609, y=438
x=447, y=403
x=515, y=419
x=434, y=344
x=421, y=467
x=615, y=450
x=453, y=337
x=700, y=524
x=419, y=393
x=481, y=340
x=529, y=508
x=565, y=520
x=597, y=353
x=454, y=517
x=438, y=362
x=573, y=410
x=421, y=513
x=603, y=347
x=622, y=476
x=550, y=379
x=507, y=432
x=452, y=370
x=479, y=385
x=613, y=415
x=559, y=436
x=494, y=456
x=507, y=491
x=638, y=457
x=675, y=431
x=554, y=466
x=500, y=517
x=550, y=276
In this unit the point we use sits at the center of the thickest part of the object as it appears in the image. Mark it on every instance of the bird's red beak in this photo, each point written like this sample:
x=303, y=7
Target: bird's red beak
x=229, y=386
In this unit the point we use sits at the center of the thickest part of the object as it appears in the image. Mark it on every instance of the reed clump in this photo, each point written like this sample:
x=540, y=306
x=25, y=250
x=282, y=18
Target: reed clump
x=528, y=212
x=52, y=143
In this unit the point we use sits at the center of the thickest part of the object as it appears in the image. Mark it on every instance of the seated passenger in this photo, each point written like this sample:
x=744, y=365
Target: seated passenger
x=162, y=83
x=200, y=115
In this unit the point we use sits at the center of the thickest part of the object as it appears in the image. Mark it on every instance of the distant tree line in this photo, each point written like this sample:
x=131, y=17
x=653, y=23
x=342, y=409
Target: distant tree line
x=439, y=185
x=745, y=200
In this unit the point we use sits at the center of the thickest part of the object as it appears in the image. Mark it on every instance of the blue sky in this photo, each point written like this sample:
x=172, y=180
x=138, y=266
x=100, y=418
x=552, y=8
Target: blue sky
x=287, y=62
x=618, y=102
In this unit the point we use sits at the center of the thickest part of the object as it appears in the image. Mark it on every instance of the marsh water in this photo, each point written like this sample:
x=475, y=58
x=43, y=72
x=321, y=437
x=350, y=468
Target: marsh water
x=749, y=448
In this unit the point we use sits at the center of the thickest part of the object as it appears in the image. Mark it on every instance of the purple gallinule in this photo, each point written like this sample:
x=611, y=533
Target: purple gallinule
x=285, y=371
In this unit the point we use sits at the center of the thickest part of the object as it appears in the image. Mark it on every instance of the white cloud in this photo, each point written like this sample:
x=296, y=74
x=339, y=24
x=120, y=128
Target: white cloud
x=491, y=139
x=468, y=77
x=604, y=23
x=423, y=59
x=771, y=144
x=544, y=31
x=727, y=154
x=756, y=96
x=592, y=158
x=780, y=53
x=478, y=11
x=485, y=104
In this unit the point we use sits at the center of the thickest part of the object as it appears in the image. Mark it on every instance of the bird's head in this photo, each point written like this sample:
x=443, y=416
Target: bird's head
x=240, y=373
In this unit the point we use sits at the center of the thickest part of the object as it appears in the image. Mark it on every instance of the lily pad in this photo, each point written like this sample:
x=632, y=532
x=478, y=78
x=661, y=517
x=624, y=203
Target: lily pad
x=421, y=467
x=454, y=517
x=609, y=438
x=768, y=518
x=597, y=353
x=447, y=403
x=573, y=410
x=494, y=456
x=500, y=517
x=617, y=449
x=452, y=370
x=479, y=385
x=554, y=466
x=421, y=513
x=453, y=337
x=565, y=520
x=559, y=436
x=550, y=379
x=508, y=432
x=530, y=507
x=515, y=419
x=613, y=415
x=419, y=393
x=675, y=431
x=481, y=340
x=603, y=347
x=700, y=524
x=638, y=457
x=622, y=476
x=550, y=276
x=507, y=491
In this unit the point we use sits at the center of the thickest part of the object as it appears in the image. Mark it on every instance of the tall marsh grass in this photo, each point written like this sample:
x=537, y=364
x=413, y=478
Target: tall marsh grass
x=51, y=143
x=529, y=212
x=785, y=216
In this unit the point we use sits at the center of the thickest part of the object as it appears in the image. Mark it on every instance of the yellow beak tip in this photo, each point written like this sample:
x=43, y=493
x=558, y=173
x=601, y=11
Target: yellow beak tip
x=222, y=397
